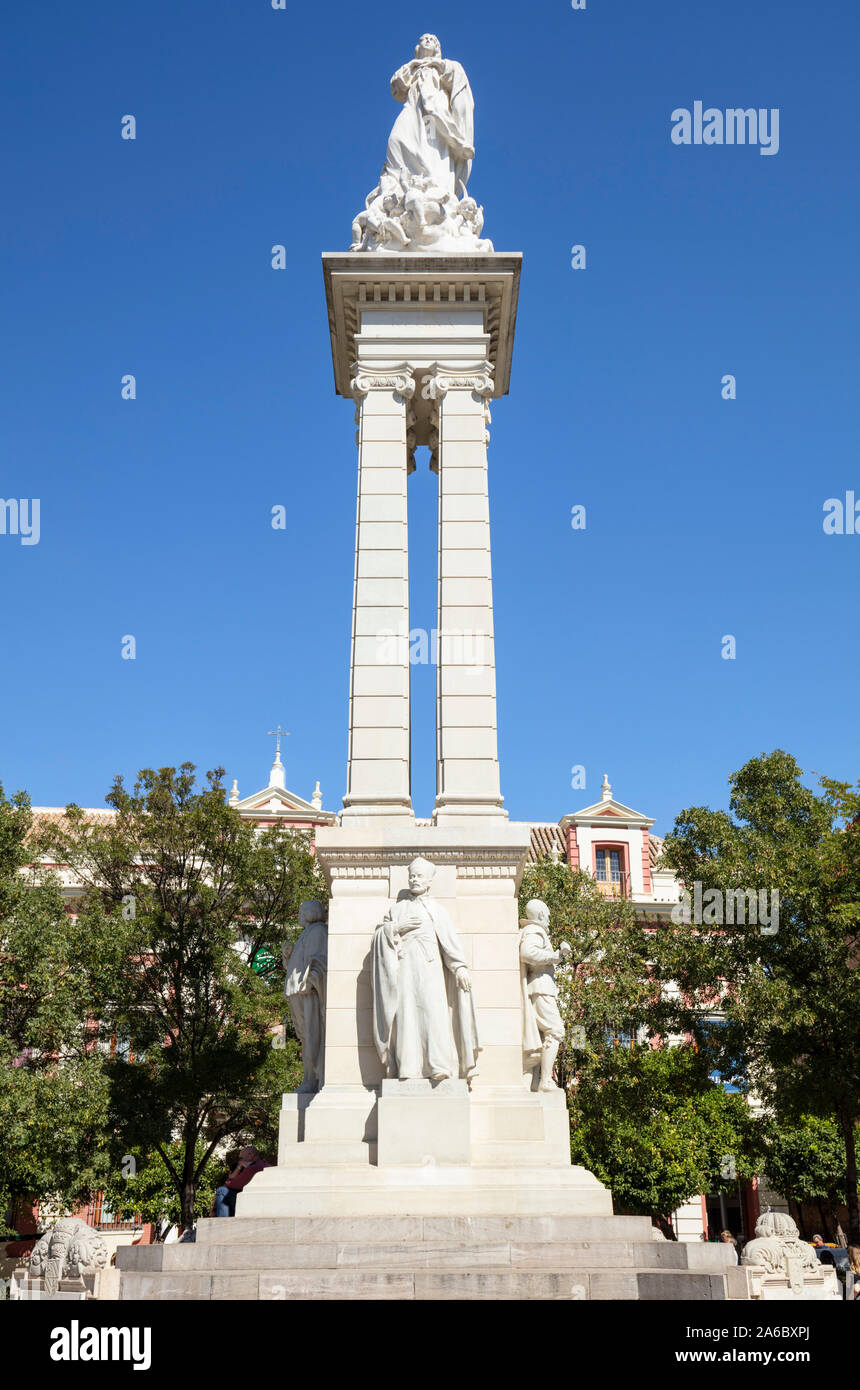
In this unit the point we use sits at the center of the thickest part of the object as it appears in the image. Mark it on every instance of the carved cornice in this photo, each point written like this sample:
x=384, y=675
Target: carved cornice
x=359, y=871
x=358, y=282
x=368, y=863
x=501, y=870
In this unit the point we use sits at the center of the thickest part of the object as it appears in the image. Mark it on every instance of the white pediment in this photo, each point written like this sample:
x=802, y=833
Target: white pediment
x=279, y=801
x=609, y=812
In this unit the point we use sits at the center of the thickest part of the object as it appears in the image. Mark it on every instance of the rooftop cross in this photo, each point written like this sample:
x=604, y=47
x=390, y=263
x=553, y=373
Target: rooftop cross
x=276, y=776
x=279, y=733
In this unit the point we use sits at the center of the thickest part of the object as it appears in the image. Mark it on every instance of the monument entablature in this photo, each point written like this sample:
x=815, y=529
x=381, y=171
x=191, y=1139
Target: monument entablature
x=440, y=291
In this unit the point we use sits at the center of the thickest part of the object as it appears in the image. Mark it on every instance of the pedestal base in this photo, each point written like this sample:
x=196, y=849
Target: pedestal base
x=420, y=1124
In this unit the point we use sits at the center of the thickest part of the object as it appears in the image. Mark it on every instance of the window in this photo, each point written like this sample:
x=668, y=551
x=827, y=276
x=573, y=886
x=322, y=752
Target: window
x=122, y=1047
x=735, y=1065
x=610, y=871
x=102, y=1216
x=622, y=1037
x=608, y=866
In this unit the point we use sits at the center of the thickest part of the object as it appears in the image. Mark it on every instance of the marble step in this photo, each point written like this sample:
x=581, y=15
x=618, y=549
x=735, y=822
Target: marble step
x=428, y=1190
x=390, y=1229
x=424, y=1254
x=486, y=1284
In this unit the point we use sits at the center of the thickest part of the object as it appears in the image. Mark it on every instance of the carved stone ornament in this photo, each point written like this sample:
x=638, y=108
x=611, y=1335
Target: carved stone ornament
x=437, y=384
x=777, y=1244
x=400, y=381
x=65, y=1251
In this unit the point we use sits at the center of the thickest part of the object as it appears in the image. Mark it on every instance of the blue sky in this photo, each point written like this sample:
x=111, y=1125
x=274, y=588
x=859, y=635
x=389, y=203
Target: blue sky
x=152, y=257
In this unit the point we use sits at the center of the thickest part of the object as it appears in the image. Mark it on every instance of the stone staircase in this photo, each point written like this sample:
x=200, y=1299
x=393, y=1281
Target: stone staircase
x=425, y=1257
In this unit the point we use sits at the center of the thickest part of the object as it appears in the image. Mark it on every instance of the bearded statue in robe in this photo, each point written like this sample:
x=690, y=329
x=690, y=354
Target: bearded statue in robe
x=424, y=1022
x=420, y=202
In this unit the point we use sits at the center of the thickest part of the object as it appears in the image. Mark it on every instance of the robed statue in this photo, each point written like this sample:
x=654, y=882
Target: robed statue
x=420, y=202
x=424, y=1022
x=306, y=966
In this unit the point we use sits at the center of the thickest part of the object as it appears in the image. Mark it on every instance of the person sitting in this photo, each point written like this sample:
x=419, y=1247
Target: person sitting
x=250, y=1162
x=825, y=1256
x=728, y=1238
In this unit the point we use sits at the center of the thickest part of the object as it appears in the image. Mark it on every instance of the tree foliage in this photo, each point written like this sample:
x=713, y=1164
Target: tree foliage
x=610, y=987
x=53, y=1091
x=650, y=1124
x=791, y=999
x=647, y=1119
x=143, y=1186
x=190, y=893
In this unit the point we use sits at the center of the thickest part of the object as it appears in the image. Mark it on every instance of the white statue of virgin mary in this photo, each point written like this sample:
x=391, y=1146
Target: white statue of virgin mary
x=433, y=135
x=420, y=202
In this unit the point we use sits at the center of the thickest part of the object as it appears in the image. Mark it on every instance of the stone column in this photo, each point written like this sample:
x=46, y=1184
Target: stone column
x=467, y=766
x=378, y=774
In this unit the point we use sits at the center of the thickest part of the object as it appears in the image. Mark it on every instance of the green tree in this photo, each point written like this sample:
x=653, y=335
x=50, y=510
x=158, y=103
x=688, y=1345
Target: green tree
x=651, y=1124
x=143, y=1186
x=53, y=1090
x=611, y=987
x=805, y=1161
x=790, y=996
x=194, y=896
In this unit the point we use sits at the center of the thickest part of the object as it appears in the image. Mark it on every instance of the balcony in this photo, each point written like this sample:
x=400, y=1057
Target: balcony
x=613, y=885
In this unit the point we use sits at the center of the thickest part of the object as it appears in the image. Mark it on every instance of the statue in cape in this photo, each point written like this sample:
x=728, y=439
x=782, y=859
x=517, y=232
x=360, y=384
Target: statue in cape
x=433, y=136
x=420, y=202
x=306, y=965
x=424, y=1022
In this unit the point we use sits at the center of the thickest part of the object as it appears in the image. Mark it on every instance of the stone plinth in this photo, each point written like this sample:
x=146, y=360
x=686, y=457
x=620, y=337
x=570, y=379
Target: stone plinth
x=419, y=1123
x=806, y=1286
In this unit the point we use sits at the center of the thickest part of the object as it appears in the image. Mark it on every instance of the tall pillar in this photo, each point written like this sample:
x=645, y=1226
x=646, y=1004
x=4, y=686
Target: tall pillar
x=467, y=763
x=378, y=774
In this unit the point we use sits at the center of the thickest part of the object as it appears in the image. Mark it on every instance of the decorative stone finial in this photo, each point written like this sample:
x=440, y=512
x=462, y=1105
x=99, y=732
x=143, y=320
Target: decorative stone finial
x=234, y=794
x=316, y=799
x=605, y=790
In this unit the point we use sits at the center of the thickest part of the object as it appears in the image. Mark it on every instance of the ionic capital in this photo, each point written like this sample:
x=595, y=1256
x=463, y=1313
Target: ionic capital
x=439, y=382
x=400, y=379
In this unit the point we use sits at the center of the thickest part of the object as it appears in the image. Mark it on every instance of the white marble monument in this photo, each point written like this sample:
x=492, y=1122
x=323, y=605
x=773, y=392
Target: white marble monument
x=424, y=1016
x=433, y=1161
